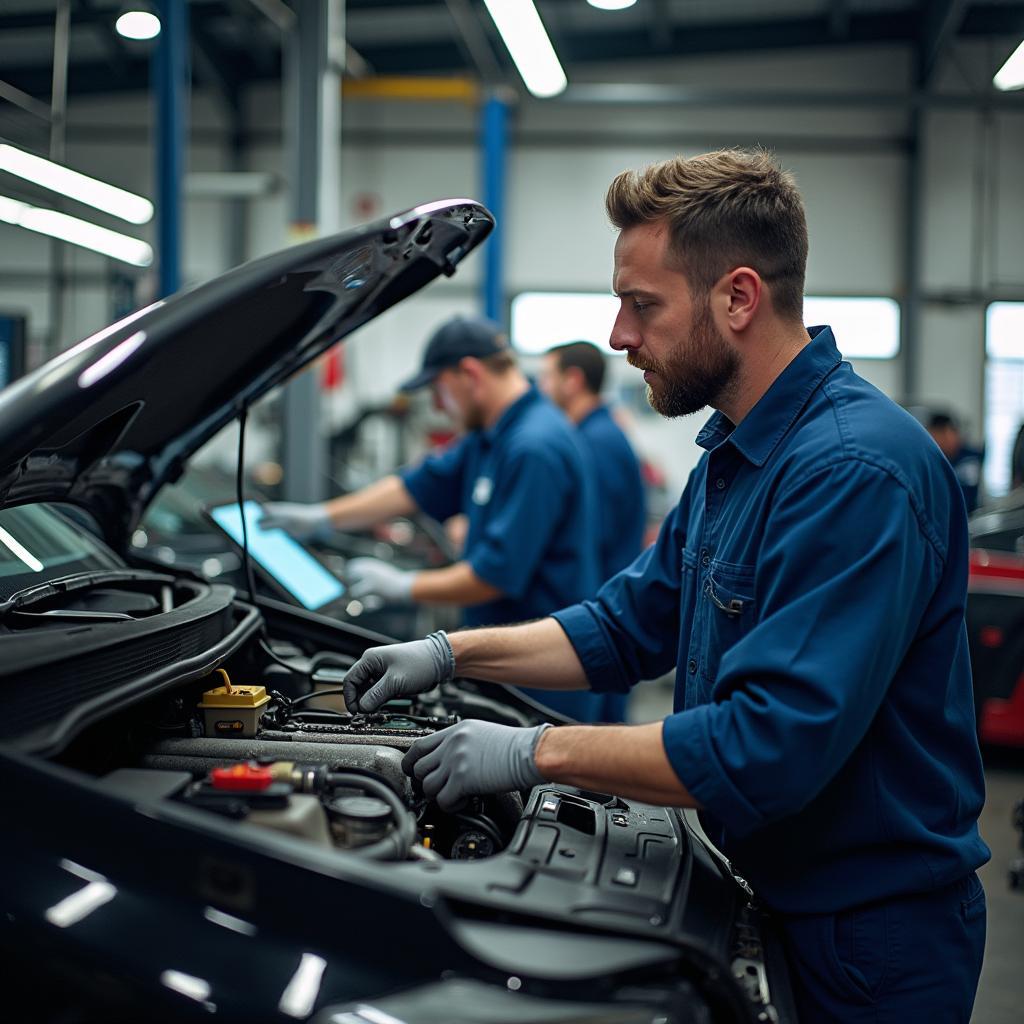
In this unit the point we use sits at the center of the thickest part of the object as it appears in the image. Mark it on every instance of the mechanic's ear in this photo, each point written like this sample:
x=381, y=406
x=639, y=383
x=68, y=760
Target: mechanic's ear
x=744, y=296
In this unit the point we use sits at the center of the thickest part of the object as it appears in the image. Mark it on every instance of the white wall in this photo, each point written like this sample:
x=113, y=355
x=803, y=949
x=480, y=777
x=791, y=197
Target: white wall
x=850, y=163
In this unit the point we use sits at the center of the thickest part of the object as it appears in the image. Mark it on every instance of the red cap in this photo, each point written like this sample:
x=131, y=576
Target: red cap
x=248, y=778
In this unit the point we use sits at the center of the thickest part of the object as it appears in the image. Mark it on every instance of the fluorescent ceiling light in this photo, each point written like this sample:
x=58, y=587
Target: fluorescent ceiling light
x=528, y=43
x=79, y=187
x=1011, y=74
x=138, y=25
x=611, y=5
x=77, y=232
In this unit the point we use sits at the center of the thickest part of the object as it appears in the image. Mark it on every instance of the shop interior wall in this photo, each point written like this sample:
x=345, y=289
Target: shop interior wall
x=849, y=162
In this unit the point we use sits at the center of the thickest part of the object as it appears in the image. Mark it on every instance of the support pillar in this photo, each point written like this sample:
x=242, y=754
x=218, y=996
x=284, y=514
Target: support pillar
x=315, y=58
x=494, y=156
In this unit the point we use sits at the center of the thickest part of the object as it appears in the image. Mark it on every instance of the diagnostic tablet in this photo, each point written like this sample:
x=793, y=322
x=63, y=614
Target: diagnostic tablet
x=280, y=556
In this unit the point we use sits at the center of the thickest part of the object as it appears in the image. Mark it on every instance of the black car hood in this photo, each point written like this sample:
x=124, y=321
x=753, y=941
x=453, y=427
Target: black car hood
x=105, y=424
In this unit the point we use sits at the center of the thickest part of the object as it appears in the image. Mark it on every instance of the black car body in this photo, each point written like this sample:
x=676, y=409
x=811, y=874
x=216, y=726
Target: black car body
x=271, y=861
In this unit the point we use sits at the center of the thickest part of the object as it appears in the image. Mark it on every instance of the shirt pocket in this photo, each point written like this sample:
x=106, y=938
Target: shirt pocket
x=727, y=599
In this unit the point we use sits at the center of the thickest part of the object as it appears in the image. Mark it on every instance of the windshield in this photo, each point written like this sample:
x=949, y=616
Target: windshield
x=38, y=543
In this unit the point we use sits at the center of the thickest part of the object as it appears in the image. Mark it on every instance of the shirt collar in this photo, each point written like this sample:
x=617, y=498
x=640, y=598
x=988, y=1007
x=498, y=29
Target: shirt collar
x=766, y=424
x=511, y=414
x=595, y=413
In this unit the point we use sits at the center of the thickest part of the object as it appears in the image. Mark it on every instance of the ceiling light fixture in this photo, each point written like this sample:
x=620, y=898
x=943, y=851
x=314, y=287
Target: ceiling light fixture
x=138, y=24
x=611, y=5
x=1011, y=74
x=80, y=187
x=77, y=232
x=527, y=40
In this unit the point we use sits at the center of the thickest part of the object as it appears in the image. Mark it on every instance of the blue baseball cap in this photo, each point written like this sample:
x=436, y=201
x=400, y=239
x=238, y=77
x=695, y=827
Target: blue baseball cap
x=452, y=342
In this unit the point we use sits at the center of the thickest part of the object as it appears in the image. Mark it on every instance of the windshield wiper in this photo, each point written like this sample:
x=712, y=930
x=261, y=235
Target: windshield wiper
x=80, y=582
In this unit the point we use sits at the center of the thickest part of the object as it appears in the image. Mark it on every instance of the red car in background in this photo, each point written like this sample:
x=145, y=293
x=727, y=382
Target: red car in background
x=995, y=620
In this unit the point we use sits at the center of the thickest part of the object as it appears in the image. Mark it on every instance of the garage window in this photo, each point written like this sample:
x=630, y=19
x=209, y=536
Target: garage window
x=543, y=319
x=868, y=327
x=1004, y=391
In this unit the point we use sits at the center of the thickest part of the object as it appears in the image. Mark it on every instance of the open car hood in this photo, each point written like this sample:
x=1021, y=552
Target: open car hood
x=105, y=424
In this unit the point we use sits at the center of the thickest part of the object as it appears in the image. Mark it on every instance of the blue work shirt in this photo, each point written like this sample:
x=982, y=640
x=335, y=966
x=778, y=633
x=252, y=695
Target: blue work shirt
x=531, y=506
x=809, y=589
x=622, y=504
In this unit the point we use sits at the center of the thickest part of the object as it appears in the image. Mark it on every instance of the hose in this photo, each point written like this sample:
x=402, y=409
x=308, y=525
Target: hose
x=396, y=845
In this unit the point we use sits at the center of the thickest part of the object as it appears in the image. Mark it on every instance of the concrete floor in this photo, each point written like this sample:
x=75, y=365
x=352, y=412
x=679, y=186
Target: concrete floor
x=1001, y=990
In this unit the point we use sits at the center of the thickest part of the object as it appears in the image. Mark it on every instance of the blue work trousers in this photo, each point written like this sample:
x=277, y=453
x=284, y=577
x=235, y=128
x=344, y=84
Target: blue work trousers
x=915, y=958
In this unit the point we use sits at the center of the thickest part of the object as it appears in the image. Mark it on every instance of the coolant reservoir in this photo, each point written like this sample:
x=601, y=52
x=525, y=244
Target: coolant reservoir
x=302, y=816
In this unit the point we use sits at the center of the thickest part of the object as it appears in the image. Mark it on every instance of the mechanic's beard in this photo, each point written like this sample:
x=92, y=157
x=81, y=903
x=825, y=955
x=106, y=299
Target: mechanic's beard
x=699, y=373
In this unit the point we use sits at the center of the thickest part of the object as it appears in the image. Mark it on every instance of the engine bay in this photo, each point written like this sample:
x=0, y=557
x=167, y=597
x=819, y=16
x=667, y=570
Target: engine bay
x=284, y=754
x=231, y=720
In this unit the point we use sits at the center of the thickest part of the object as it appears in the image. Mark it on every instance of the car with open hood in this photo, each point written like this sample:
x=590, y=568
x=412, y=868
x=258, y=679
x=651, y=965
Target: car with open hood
x=195, y=828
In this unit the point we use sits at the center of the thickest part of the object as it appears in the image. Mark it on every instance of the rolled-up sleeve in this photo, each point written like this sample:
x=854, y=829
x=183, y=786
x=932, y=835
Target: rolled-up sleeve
x=528, y=500
x=630, y=630
x=436, y=483
x=847, y=568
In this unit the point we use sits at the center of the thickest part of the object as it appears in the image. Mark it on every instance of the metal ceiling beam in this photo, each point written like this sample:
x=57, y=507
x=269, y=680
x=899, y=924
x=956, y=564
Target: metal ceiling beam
x=940, y=25
x=212, y=65
x=12, y=94
x=477, y=46
x=839, y=19
x=103, y=22
x=616, y=94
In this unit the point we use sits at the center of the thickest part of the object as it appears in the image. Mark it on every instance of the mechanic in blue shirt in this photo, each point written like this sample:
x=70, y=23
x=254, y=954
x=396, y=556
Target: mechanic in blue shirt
x=809, y=590
x=519, y=475
x=967, y=462
x=572, y=376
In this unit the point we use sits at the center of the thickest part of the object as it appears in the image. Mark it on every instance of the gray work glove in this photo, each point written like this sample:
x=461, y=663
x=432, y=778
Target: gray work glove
x=472, y=758
x=383, y=673
x=370, y=577
x=303, y=522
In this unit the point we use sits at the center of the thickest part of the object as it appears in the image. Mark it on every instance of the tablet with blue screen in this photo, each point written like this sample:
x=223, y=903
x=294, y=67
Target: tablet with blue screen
x=280, y=556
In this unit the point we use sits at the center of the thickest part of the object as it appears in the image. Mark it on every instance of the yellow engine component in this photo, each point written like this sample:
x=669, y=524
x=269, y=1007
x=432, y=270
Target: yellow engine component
x=232, y=710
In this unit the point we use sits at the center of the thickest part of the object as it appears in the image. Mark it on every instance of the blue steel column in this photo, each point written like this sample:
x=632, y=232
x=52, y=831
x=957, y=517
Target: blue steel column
x=170, y=84
x=494, y=145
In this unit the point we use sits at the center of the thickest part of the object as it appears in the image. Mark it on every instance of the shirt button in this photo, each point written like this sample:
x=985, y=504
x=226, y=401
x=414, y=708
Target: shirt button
x=720, y=484
x=692, y=666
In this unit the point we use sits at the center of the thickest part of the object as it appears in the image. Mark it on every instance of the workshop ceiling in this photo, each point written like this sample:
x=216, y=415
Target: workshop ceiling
x=235, y=43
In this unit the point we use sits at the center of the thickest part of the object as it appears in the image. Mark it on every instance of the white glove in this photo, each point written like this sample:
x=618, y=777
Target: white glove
x=370, y=577
x=303, y=522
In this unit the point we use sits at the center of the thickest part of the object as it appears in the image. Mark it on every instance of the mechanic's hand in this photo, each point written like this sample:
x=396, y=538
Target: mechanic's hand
x=302, y=521
x=383, y=673
x=472, y=758
x=370, y=577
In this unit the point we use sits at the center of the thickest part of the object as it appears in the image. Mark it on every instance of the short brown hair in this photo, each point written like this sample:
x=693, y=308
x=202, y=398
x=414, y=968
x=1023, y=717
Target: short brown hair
x=725, y=209
x=586, y=357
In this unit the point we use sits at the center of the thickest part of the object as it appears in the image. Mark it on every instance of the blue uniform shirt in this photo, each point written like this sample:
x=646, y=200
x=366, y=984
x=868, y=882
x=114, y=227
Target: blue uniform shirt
x=809, y=588
x=531, y=508
x=620, y=490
